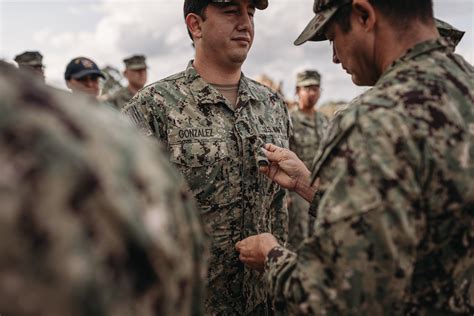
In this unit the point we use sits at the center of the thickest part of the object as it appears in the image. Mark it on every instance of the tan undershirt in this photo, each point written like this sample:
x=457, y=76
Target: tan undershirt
x=230, y=92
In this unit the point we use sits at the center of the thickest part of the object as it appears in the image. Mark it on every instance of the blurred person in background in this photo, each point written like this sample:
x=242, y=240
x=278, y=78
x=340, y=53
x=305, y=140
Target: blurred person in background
x=136, y=74
x=82, y=77
x=94, y=219
x=31, y=61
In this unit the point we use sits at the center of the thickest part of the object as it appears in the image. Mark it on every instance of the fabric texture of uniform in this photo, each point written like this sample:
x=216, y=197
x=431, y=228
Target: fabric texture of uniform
x=305, y=140
x=94, y=219
x=120, y=98
x=308, y=78
x=449, y=33
x=324, y=10
x=135, y=62
x=394, y=233
x=217, y=147
x=32, y=59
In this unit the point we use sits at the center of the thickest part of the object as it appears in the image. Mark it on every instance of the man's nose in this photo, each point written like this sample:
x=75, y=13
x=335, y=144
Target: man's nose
x=245, y=20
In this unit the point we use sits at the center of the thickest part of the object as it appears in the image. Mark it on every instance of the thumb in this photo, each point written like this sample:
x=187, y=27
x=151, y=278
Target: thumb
x=273, y=154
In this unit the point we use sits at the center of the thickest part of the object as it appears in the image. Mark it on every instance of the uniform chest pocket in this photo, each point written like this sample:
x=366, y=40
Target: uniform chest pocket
x=267, y=187
x=205, y=167
x=278, y=140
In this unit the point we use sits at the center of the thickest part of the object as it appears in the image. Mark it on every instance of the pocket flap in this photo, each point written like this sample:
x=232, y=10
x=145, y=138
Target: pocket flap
x=198, y=154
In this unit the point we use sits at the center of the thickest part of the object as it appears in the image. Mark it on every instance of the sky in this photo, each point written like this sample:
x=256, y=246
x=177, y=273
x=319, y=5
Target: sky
x=109, y=30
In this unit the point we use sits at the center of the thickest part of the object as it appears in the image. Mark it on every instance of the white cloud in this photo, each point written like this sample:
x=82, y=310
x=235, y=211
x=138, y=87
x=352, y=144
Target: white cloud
x=109, y=30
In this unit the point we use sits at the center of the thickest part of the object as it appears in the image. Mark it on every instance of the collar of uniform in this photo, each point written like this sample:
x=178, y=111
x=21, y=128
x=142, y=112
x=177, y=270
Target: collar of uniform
x=248, y=90
x=202, y=91
x=417, y=50
x=206, y=94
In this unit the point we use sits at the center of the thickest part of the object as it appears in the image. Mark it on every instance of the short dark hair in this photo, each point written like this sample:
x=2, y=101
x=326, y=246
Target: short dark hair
x=197, y=7
x=401, y=11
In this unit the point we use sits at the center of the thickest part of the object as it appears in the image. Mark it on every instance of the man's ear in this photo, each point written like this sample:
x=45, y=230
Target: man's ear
x=364, y=13
x=193, y=22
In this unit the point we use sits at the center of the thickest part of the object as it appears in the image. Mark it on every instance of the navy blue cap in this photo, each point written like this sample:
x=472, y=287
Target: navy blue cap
x=80, y=67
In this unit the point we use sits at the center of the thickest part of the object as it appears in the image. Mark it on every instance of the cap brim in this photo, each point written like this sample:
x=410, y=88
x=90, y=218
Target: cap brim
x=137, y=67
x=313, y=31
x=261, y=5
x=87, y=72
x=31, y=64
x=309, y=82
x=447, y=30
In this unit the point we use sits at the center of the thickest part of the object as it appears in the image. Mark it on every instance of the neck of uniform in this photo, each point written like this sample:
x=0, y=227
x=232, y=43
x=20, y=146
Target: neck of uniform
x=230, y=92
x=211, y=71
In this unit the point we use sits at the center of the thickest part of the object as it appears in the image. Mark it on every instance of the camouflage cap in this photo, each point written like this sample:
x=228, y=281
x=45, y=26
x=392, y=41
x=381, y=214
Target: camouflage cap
x=31, y=58
x=323, y=10
x=308, y=78
x=449, y=32
x=259, y=4
x=135, y=62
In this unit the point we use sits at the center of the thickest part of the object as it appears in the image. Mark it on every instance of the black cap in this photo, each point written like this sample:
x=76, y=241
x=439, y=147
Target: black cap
x=80, y=67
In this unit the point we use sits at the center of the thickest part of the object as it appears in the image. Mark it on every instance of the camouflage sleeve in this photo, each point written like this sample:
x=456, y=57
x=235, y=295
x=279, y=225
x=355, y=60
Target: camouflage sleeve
x=291, y=135
x=359, y=258
x=279, y=204
x=145, y=111
x=280, y=216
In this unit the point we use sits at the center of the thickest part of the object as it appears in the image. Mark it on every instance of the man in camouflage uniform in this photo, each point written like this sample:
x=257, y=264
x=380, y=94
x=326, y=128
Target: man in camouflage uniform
x=33, y=62
x=136, y=74
x=94, y=220
x=214, y=121
x=309, y=126
x=394, y=232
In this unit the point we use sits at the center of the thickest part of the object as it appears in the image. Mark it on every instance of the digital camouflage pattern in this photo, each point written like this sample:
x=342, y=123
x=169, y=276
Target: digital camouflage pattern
x=29, y=59
x=308, y=78
x=135, y=62
x=217, y=149
x=451, y=34
x=120, y=98
x=307, y=134
x=111, y=83
x=394, y=232
x=94, y=220
x=305, y=140
x=324, y=10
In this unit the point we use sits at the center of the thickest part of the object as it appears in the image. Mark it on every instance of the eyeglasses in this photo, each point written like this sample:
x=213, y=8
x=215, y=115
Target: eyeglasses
x=89, y=77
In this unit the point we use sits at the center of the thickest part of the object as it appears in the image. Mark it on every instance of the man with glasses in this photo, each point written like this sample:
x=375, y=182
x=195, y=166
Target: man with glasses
x=82, y=76
x=31, y=61
x=393, y=186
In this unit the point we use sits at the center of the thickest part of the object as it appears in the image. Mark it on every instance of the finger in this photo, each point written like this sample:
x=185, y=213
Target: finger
x=271, y=147
x=274, y=156
x=237, y=246
x=273, y=172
